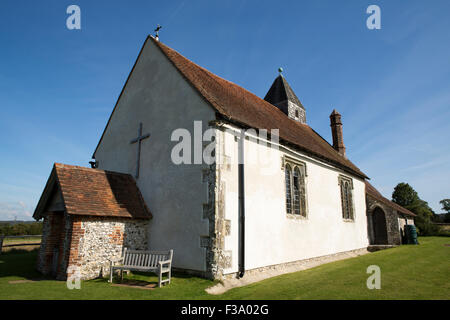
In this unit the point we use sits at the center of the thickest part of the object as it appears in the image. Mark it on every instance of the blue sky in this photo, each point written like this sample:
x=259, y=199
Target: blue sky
x=392, y=86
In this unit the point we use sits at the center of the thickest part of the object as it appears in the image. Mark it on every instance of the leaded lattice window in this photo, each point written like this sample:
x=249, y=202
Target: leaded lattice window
x=288, y=174
x=346, y=187
x=295, y=189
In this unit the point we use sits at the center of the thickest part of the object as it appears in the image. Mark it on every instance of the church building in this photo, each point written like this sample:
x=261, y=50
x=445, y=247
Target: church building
x=301, y=199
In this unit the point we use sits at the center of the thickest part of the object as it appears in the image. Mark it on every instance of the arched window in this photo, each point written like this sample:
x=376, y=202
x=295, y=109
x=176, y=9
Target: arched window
x=288, y=174
x=346, y=186
x=295, y=189
x=346, y=203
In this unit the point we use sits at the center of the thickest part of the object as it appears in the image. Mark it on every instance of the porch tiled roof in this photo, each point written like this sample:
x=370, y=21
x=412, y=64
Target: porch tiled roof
x=94, y=192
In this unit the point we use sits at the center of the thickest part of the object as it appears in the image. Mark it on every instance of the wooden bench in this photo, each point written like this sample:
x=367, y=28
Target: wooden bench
x=158, y=262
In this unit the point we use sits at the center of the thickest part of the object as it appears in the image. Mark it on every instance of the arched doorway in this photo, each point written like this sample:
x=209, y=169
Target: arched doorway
x=379, y=226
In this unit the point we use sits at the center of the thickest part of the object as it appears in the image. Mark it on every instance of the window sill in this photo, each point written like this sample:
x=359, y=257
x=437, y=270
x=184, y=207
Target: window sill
x=296, y=216
x=348, y=220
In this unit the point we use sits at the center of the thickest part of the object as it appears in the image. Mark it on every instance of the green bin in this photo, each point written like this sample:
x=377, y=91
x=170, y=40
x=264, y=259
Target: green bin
x=411, y=234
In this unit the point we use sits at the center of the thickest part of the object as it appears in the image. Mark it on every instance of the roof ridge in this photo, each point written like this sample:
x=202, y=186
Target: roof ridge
x=92, y=170
x=266, y=103
x=196, y=64
x=160, y=44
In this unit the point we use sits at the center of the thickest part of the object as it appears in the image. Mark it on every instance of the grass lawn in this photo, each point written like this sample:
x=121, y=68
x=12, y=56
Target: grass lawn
x=407, y=272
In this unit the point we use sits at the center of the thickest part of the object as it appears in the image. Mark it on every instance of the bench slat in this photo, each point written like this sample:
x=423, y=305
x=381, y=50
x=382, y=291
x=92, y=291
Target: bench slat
x=152, y=261
x=144, y=261
x=135, y=268
x=148, y=251
x=137, y=260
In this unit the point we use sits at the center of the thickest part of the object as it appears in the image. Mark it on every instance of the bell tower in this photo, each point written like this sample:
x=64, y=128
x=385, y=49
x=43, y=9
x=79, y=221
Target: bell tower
x=283, y=97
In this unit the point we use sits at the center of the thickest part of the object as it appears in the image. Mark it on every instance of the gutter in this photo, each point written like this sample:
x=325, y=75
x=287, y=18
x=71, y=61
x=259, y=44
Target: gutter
x=241, y=192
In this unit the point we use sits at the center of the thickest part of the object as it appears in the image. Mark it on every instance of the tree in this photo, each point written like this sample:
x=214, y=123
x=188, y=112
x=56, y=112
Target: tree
x=407, y=197
x=446, y=207
x=404, y=195
x=19, y=229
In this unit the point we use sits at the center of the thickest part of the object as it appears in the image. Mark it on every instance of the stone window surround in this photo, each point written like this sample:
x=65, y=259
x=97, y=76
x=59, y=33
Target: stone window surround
x=341, y=179
x=294, y=163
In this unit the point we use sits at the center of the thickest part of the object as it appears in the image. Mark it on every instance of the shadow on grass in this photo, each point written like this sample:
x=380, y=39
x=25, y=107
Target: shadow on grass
x=20, y=266
x=144, y=278
x=20, y=263
x=21, y=251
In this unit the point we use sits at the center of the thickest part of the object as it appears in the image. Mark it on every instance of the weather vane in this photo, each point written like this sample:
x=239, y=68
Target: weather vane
x=158, y=27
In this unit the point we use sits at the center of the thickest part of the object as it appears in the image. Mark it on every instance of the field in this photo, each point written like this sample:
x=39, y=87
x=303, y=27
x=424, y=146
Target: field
x=33, y=241
x=407, y=272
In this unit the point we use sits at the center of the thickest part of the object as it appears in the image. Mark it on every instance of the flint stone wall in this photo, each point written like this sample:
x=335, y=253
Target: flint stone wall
x=103, y=239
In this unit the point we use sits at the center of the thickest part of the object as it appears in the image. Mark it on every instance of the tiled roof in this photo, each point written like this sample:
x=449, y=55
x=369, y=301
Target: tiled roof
x=94, y=192
x=240, y=106
x=371, y=191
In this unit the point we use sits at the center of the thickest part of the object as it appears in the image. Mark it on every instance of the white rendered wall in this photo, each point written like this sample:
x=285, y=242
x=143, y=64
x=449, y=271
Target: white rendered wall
x=272, y=236
x=159, y=97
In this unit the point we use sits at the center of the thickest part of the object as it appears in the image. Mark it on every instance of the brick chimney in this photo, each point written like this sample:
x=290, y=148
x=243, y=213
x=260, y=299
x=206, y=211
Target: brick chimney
x=336, y=131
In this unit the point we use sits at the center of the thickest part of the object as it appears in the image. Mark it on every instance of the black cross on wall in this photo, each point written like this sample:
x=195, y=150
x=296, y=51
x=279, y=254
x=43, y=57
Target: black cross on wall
x=139, y=138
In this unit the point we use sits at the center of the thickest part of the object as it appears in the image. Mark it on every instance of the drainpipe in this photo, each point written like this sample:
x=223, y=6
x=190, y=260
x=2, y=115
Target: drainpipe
x=241, y=206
